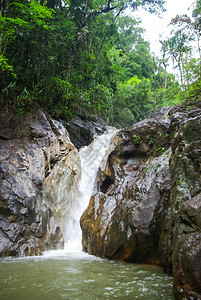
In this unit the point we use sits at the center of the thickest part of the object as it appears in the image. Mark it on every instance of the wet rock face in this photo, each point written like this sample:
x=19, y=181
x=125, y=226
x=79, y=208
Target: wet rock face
x=185, y=214
x=82, y=130
x=122, y=222
x=29, y=151
x=148, y=204
x=123, y=218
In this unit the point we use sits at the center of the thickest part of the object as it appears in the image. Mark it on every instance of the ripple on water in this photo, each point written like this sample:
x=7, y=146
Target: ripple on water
x=86, y=277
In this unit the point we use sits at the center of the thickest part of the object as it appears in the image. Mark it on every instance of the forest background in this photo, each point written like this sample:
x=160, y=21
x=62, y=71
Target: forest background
x=81, y=57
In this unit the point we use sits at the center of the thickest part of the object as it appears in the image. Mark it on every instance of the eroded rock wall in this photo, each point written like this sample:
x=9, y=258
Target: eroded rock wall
x=185, y=207
x=30, y=149
x=123, y=218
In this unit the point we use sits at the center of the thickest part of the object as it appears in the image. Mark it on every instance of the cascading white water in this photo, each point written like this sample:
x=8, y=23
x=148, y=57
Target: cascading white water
x=92, y=157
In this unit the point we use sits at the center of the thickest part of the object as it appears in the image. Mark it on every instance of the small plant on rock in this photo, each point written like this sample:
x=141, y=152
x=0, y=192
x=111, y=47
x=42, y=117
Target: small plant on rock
x=136, y=139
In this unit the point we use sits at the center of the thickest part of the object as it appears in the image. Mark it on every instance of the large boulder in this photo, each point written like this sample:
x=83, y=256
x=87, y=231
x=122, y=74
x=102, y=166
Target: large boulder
x=125, y=217
x=30, y=149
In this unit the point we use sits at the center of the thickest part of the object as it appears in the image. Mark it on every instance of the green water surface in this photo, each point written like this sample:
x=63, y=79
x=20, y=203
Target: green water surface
x=80, y=277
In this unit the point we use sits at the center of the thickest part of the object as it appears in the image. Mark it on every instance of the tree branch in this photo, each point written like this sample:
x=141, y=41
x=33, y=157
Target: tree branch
x=96, y=13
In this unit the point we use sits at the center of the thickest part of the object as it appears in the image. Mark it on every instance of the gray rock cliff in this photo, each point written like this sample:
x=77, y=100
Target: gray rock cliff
x=30, y=148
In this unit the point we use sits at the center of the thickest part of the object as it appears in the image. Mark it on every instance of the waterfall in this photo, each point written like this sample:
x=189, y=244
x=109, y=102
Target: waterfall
x=91, y=157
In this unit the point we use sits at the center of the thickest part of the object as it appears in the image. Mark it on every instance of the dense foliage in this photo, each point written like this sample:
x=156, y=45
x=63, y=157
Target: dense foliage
x=78, y=56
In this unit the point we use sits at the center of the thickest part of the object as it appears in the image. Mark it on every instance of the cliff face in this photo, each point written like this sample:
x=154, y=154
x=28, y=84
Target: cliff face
x=147, y=208
x=185, y=207
x=30, y=149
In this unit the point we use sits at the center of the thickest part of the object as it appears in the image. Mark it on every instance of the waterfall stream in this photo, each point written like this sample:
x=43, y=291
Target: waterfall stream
x=92, y=157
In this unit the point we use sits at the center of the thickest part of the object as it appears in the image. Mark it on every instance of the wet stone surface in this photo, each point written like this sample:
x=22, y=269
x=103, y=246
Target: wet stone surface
x=30, y=147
